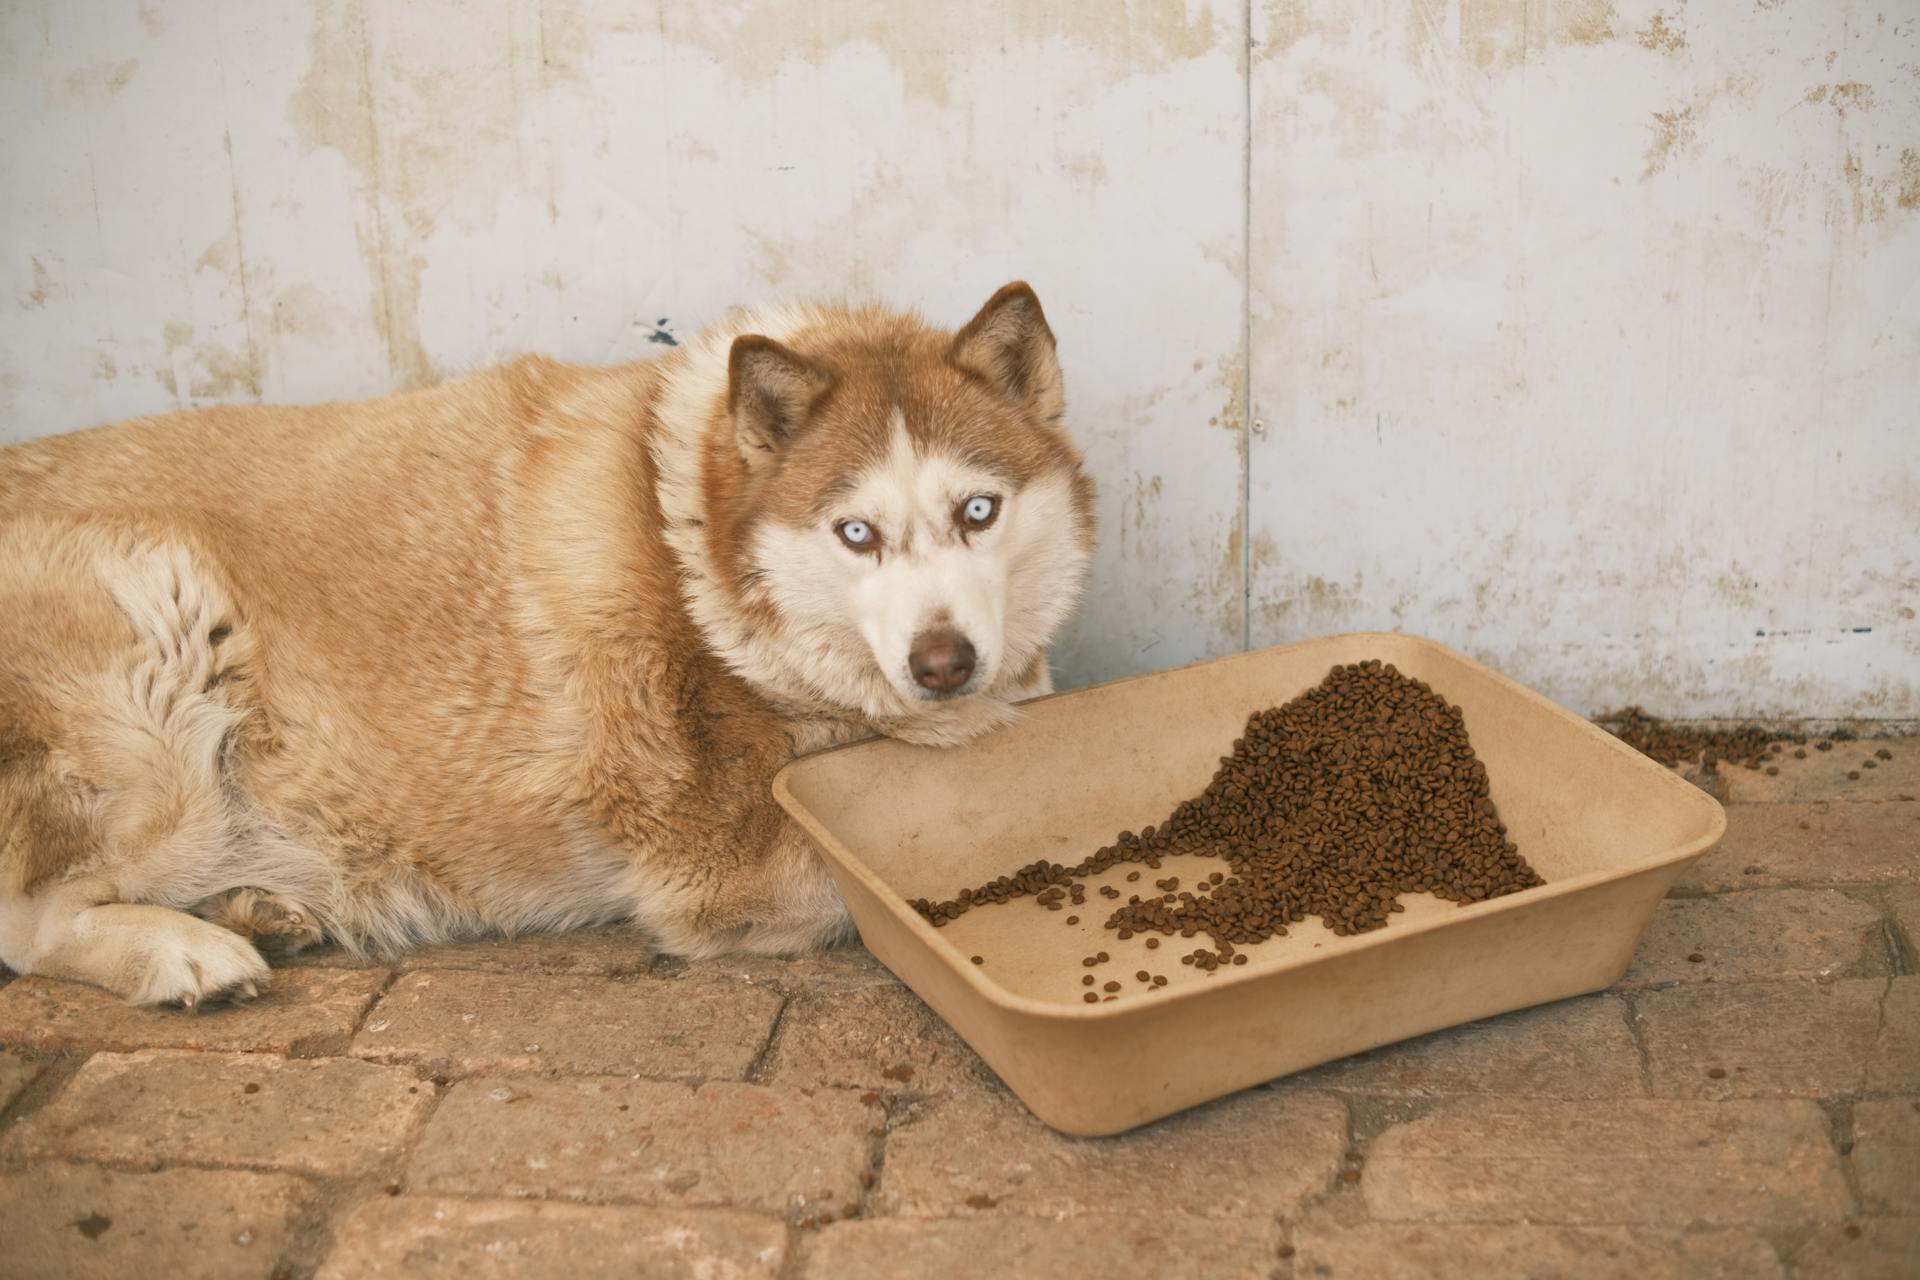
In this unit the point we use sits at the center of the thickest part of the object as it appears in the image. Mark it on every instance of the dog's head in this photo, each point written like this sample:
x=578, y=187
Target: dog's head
x=898, y=514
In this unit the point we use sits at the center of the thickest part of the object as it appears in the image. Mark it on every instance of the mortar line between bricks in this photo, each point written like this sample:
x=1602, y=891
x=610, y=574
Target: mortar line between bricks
x=310, y=1239
x=1630, y=1011
x=877, y=1153
x=360, y=1021
x=43, y=1088
x=1840, y=1134
x=1901, y=958
x=756, y=1069
x=792, y=1269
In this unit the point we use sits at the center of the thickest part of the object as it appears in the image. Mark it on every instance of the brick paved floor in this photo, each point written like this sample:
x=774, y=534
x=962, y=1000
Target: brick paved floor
x=1746, y=1103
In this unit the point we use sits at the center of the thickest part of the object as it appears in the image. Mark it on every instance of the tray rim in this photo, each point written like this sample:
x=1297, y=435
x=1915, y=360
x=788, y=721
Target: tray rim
x=845, y=861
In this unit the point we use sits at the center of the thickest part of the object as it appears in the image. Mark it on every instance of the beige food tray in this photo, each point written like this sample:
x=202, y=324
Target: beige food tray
x=1607, y=828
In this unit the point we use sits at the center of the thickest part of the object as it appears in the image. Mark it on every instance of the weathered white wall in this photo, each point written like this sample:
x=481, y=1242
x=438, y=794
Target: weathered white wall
x=1585, y=336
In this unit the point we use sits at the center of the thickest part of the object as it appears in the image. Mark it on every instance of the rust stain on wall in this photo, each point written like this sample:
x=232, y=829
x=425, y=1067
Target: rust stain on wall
x=1660, y=36
x=753, y=44
x=36, y=297
x=1498, y=35
x=213, y=371
x=1673, y=131
x=1851, y=96
x=411, y=128
x=101, y=80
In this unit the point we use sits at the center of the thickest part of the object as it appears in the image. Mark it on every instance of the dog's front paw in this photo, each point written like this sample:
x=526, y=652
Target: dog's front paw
x=187, y=962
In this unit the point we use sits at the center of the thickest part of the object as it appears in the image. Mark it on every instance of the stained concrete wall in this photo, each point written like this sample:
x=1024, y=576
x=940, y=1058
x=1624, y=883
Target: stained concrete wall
x=1584, y=336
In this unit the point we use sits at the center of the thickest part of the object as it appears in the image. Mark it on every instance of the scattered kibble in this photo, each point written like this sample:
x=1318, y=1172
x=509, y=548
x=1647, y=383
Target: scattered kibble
x=1671, y=744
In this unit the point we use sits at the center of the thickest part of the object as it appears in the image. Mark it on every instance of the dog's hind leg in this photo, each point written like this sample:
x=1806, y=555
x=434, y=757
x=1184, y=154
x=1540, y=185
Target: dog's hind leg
x=274, y=923
x=115, y=811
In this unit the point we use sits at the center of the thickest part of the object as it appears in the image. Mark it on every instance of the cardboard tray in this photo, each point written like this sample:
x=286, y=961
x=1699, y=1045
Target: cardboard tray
x=1608, y=829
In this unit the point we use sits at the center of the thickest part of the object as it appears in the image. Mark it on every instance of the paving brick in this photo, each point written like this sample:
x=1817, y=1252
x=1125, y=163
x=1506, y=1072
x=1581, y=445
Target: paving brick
x=1870, y=1249
x=303, y=1011
x=81, y=1223
x=871, y=1038
x=607, y=953
x=16, y=1073
x=468, y=1022
x=648, y=1141
x=1767, y=933
x=838, y=968
x=1775, y=1039
x=1167, y=1248
x=1886, y=1153
x=1627, y=1162
x=1381, y=1251
x=1770, y=845
x=331, y=1116
x=1260, y=1152
x=1893, y=1062
x=478, y=1239
x=1572, y=1049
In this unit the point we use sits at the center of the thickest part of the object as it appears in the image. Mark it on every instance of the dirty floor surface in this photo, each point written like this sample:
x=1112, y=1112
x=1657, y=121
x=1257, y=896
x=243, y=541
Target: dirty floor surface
x=1746, y=1103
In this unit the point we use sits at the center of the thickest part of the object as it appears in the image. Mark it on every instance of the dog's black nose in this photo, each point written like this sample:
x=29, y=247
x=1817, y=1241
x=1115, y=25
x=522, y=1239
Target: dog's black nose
x=941, y=659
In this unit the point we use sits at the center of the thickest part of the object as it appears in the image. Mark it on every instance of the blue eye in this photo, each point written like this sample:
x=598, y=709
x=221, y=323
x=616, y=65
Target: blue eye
x=979, y=511
x=857, y=534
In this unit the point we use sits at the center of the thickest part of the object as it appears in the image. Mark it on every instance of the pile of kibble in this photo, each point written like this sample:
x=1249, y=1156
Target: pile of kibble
x=1333, y=805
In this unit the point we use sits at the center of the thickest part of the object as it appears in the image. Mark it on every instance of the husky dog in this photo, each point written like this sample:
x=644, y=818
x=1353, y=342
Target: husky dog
x=516, y=653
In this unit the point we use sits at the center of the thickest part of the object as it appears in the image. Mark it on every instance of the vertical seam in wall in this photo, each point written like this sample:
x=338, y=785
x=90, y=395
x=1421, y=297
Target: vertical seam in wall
x=1246, y=334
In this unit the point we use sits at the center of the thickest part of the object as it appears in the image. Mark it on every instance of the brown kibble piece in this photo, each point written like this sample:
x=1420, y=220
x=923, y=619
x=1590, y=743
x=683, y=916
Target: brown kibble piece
x=1697, y=958
x=1092, y=997
x=1073, y=919
x=1716, y=1073
x=979, y=960
x=1884, y=754
x=1110, y=986
x=1773, y=771
x=1087, y=981
x=1854, y=774
x=1143, y=976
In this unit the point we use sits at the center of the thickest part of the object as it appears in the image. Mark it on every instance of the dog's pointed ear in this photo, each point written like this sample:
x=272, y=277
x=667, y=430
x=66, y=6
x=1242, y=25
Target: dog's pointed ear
x=770, y=392
x=1010, y=348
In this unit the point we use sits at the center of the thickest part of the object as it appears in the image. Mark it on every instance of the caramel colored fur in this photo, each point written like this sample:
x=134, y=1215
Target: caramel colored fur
x=460, y=660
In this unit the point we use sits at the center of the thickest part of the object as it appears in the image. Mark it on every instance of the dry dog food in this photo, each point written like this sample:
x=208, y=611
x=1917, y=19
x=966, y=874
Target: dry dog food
x=1333, y=805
